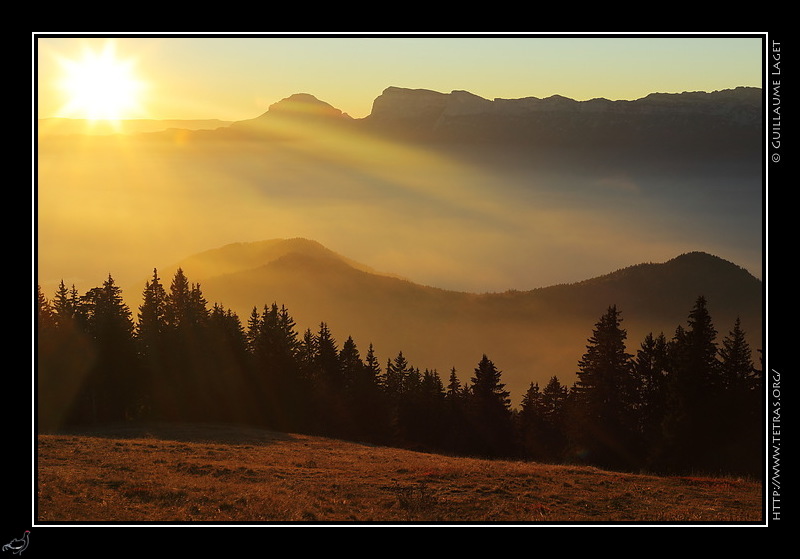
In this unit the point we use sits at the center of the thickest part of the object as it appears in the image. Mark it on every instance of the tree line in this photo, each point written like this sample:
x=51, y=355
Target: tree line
x=680, y=404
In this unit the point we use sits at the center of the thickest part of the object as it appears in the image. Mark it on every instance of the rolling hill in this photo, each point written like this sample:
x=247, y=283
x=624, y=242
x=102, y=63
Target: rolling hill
x=451, y=189
x=531, y=335
x=441, y=186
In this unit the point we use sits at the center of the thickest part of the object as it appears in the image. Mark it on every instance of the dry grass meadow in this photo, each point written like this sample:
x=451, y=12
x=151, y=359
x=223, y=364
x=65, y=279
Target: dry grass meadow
x=226, y=474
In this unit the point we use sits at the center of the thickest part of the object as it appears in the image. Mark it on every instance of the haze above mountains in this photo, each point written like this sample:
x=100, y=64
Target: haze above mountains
x=450, y=190
x=531, y=335
x=480, y=223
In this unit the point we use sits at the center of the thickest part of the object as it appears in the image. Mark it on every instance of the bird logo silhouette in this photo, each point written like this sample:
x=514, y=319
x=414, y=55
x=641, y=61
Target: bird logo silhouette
x=18, y=545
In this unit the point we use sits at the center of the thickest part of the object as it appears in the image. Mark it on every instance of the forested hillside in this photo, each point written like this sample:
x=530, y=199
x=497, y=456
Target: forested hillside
x=687, y=401
x=532, y=333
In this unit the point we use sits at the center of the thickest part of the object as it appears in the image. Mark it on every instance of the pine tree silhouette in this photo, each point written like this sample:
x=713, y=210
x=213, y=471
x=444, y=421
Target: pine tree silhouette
x=490, y=411
x=691, y=426
x=605, y=392
x=652, y=367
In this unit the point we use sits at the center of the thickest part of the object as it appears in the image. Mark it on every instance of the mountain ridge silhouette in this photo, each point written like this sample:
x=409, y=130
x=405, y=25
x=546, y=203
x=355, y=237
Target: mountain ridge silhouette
x=441, y=115
x=531, y=334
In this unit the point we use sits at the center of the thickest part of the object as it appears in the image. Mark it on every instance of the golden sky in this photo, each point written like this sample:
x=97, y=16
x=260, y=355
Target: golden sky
x=122, y=205
x=233, y=78
x=437, y=223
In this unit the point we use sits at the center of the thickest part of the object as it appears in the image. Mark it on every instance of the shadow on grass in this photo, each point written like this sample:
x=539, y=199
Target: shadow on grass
x=221, y=433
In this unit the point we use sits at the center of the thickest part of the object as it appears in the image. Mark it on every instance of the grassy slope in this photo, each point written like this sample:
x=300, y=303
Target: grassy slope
x=223, y=474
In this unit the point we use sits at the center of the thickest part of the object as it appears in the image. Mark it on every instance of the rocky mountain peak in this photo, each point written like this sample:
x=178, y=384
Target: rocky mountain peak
x=687, y=121
x=304, y=104
x=400, y=103
x=397, y=102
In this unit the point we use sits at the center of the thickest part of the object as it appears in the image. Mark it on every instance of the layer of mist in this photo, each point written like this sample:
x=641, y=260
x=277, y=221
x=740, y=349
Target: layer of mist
x=452, y=199
x=459, y=215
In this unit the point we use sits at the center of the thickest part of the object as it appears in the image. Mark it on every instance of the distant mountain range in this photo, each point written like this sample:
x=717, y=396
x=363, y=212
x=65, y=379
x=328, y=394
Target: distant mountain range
x=730, y=118
x=524, y=185
x=669, y=132
x=531, y=335
x=131, y=126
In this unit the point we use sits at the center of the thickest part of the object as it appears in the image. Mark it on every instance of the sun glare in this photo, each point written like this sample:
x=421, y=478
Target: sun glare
x=100, y=86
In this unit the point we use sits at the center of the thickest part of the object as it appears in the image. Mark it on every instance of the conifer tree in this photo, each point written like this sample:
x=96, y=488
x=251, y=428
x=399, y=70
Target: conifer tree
x=47, y=371
x=65, y=355
x=372, y=367
x=227, y=385
x=152, y=322
x=431, y=384
x=253, y=332
x=198, y=306
x=370, y=402
x=275, y=368
x=606, y=391
x=741, y=409
x=554, y=396
x=652, y=366
x=691, y=425
x=350, y=364
x=327, y=358
x=190, y=367
x=412, y=382
x=348, y=401
x=307, y=355
x=487, y=386
x=531, y=424
x=327, y=387
x=455, y=421
x=490, y=411
x=291, y=383
x=737, y=371
x=554, y=402
x=178, y=300
x=700, y=348
x=453, y=385
x=426, y=417
x=541, y=421
x=65, y=304
x=394, y=385
x=286, y=327
x=113, y=389
x=394, y=380
x=45, y=313
x=151, y=337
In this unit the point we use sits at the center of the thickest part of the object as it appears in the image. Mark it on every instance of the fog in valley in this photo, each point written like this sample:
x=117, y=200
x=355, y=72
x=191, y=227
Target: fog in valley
x=476, y=221
x=487, y=223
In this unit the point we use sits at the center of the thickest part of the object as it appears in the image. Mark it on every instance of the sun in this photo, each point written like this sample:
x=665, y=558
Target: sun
x=100, y=86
